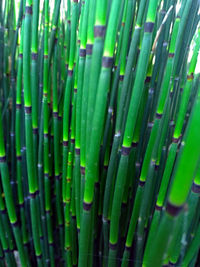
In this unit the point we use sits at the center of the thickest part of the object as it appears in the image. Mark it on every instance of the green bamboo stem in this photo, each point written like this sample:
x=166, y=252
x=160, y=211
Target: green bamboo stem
x=128, y=134
x=131, y=57
x=176, y=198
x=97, y=126
x=18, y=143
x=46, y=138
x=32, y=175
x=56, y=134
x=97, y=52
x=67, y=93
x=9, y=201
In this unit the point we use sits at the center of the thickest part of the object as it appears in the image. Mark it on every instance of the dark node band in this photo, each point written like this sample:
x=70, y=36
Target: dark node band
x=123, y=24
x=190, y=77
x=19, y=158
x=57, y=177
x=15, y=224
x=45, y=56
x=18, y=106
x=158, y=116
x=72, y=141
x=107, y=62
x=121, y=77
x=97, y=185
x=66, y=66
x=170, y=264
x=175, y=140
x=156, y=167
x=148, y=79
x=65, y=143
x=70, y=73
x=82, y=170
x=126, y=150
x=87, y=206
x=21, y=205
x=35, y=130
x=46, y=135
x=75, y=90
x=134, y=144
x=82, y=52
x=124, y=205
x=46, y=175
x=34, y=56
x=27, y=110
x=33, y=195
x=141, y=183
x=3, y=159
x=41, y=237
x=73, y=217
x=105, y=167
x=68, y=21
x=6, y=250
x=172, y=209
x=158, y=208
x=127, y=248
x=3, y=211
x=148, y=26
x=28, y=10
x=181, y=89
x=196, y=188
x=77, y=150
x=39, y=256
x=171, y=55
x=99, y=31
x=112, y=246
x=89, y=48
x=20, y=55
x=55, y=114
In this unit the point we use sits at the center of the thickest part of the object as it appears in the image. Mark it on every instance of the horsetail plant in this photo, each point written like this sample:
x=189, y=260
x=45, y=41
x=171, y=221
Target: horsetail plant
x=99, y=133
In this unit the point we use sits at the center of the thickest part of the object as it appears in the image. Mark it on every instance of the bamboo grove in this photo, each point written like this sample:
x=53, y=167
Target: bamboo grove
x=99, y=133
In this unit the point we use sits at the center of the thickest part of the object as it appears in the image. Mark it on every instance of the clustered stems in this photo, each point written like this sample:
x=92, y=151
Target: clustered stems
x=99, y=133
